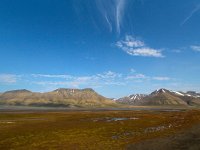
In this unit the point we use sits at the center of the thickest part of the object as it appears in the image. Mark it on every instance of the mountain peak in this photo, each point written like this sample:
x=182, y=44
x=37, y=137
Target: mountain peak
x=162, y=97
x=88, y=89
x=159, y=91
x=19, y=91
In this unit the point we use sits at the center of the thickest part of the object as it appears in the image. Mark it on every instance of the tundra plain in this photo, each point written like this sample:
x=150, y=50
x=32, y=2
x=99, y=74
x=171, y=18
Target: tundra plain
x=100, y=129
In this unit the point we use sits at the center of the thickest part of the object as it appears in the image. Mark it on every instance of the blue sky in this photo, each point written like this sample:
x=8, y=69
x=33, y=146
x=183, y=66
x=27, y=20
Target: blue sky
x=117, y=47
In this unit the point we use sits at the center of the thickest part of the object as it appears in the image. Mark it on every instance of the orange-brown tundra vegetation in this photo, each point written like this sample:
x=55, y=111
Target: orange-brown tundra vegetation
x=90, y=129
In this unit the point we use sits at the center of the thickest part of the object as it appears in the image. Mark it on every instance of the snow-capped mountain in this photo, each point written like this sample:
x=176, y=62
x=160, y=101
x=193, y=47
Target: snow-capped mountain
x=189, y=93
x=133, y=99
x=163, y=97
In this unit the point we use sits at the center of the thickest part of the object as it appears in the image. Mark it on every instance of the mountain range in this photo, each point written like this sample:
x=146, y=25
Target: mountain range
x=162, y=97
x=57, y=98
x=88, y=98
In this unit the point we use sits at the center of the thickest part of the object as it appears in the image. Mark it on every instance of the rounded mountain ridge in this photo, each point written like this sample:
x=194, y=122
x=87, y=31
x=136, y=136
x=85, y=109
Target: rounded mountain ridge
x=73, y=89
x=19, y=91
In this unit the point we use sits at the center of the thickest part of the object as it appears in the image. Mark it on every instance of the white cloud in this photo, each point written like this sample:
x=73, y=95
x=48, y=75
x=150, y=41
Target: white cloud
x=195, y=48
x=177, y=51
x=132, y=70
x=105, y=75
x=52, y=76
x=74, y=82
x=130, y=42
x=98, y=80
x=50, y=83
x=145, y=77
x=145, y=51
x=108, y=79
x=109, y=75
x=85, y=79
x=115, y=83
x=161, y=78
x=135, y=47
x=8, y=78
x=137, y=76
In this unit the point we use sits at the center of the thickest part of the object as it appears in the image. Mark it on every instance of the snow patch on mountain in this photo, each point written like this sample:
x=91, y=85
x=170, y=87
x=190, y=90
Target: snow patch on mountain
x=178, y=93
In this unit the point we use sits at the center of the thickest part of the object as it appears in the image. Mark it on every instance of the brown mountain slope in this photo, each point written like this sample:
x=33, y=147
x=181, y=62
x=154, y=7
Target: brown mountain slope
x=59, y=97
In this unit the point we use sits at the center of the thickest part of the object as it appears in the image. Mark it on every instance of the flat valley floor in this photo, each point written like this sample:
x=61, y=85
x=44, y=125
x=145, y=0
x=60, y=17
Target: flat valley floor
x=100, y=130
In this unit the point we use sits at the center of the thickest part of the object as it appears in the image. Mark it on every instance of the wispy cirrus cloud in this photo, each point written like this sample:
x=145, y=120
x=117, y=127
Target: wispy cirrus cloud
x=135, y=47
x=195, y=48
x=101, y=79
x=196, y=9
x=109, y=75
x=140, y=76
x=108, y=22
x=132, y=70
x=120, y=6
x=130, y=42
x=8, y=78
x=161, y=78
x=52, y=76
x=146, y=51
x=136, y=76
x=113, y=12
x=108, y=79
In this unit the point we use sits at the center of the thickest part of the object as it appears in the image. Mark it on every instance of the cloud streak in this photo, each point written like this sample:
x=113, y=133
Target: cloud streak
x=97, y=80
x=196, y=9
x=161, y=78
x=136, y=76
x=8, y=78
x=113, y=12
x=120, y=6
x=195, y=48
x=146, y=51
x=51, y=76
x=145, y=77
x=100, y=80
x=108, y=22
x=135, y=47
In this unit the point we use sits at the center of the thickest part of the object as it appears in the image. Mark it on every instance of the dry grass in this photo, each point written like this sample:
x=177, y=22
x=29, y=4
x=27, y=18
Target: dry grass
x=89, y=129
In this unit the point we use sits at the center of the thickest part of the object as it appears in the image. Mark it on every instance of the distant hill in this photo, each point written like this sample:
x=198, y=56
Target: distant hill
x=162, y=97
x=57, y=98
